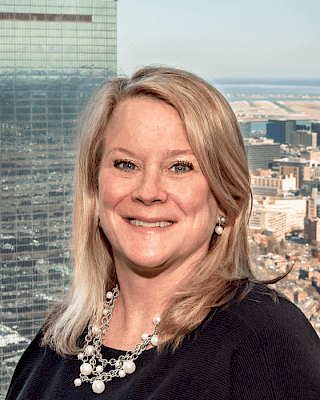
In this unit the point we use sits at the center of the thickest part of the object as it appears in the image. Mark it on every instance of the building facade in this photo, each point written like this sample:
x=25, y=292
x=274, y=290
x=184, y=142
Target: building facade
x=245, y=128
x=270, y=185
x=281, y=130
x=298, y=167
x=278, y=214
x=304, y=138
x=315, y=127
x=53, y=56
x=261, y=152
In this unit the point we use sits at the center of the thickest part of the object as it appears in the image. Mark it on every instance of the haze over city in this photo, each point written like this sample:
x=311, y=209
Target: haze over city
x=222, y=39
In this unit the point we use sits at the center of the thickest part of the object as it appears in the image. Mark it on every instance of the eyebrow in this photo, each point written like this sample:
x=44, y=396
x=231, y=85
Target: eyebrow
x=169, y=153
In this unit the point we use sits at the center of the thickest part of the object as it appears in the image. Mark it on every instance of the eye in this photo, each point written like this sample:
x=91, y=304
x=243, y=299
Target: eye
x=125, y=165
x=182, y=167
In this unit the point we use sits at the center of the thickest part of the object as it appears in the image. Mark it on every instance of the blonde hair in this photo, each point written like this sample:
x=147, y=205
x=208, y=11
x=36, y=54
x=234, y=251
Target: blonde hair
x=214, y=135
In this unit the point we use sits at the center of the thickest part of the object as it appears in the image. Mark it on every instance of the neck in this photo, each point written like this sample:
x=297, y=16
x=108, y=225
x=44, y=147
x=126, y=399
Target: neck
x=140, y=299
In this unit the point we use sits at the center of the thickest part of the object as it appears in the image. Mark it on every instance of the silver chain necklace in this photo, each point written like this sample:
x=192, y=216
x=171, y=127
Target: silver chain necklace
x=92, y=362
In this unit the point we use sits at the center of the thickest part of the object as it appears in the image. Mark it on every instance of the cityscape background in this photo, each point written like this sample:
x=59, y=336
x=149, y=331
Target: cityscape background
x=53, y=56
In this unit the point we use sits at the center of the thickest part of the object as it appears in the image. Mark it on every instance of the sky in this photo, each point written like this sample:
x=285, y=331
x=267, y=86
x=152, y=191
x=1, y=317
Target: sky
x=222, y=38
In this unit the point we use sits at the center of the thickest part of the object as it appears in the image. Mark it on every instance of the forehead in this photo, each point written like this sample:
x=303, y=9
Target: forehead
x=141, y=121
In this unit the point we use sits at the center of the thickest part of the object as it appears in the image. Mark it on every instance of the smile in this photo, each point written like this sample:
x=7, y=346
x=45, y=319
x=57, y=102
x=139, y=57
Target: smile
x=160, y=224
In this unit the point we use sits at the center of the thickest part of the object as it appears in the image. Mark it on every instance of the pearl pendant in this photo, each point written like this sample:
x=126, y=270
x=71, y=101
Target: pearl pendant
x=98, y=386
x=89, y=350
x=154, y=340
x=122, y=373
x=86, y=369
x=95, y=330
x=156, y=319
x=129, y=367
x=144, y=336
x=218, y=229
x=99, y=369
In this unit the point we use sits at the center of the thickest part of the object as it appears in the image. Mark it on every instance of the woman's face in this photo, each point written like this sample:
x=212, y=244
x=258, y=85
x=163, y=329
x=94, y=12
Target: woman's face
x=149, y=175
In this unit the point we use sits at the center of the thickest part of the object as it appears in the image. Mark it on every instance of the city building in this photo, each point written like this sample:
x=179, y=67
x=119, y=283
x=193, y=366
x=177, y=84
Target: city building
x=298, y=167
x=272, y=185
x=261, y=172
x=310, y=155
x=266, y=220
x=315, y=127
x=278, y=214
x=261, y=152
x=313, y=231
x=304, y=138
x=245, y=128
x=312, y=221
x=53, y=56
x=280, y=130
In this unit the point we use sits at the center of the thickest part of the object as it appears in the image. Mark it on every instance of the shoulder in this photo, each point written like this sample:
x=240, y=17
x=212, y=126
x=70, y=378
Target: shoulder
x=259, y=310
x=257, y=303
x=266, y=323
x=33, y=371
x=272, y=346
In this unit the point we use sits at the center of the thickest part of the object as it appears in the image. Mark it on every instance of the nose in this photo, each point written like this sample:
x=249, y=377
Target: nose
x=150, y=188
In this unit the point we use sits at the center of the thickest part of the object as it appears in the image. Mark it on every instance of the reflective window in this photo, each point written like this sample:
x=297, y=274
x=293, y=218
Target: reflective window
x=51, y=59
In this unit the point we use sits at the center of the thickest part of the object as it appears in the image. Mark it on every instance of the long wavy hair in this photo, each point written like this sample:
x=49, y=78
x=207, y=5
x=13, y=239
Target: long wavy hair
x=214, y=136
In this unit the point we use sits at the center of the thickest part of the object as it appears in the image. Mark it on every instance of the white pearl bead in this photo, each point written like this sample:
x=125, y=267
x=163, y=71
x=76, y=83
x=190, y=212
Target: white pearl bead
x=98, y=386
x=155, y=340
x=86, y=369
x=129, y=367
x=95, y=330
x=117, y=364
x=144, y=336
x=219, y=230
x=109, y=295
x=80, y=356
x=89, y=350
x=105, y=311
x=99, y=369
x=77, y=382
x=156, y=319
x=122, y=373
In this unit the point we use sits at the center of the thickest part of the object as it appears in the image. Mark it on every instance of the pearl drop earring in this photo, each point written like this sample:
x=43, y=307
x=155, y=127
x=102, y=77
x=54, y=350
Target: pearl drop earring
x=219, y=228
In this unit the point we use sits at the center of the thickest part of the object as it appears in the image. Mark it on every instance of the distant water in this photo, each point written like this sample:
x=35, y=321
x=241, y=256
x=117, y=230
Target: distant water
x=289, y=89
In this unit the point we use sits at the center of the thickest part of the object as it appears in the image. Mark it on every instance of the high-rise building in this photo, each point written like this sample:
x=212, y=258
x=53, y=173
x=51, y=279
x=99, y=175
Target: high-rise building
x=53, y=55
x=245, y=128
x=281, y=130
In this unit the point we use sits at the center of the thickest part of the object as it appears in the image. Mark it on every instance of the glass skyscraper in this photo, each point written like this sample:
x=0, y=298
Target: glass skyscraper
x=53, y=55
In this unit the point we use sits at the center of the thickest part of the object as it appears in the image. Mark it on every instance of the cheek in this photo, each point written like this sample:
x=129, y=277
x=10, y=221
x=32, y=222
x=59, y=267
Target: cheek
x=110, y=190
x=198, y=200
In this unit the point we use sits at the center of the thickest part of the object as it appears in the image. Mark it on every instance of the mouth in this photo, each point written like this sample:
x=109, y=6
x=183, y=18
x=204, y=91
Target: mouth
x=159, y=224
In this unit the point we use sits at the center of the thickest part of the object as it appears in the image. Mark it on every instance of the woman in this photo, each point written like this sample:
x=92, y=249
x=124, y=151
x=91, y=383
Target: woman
x=160, y=246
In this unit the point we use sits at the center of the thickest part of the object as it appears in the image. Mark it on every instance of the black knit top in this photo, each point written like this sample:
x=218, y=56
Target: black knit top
x=255, y=348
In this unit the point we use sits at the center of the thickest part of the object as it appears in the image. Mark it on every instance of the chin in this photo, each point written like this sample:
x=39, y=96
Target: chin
x=148, y=262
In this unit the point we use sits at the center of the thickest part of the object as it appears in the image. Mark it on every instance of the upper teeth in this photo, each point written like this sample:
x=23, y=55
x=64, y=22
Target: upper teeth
x=150, y=224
